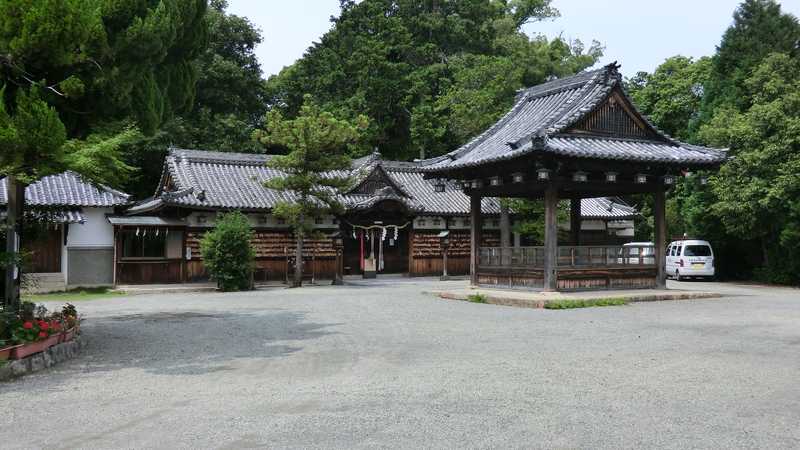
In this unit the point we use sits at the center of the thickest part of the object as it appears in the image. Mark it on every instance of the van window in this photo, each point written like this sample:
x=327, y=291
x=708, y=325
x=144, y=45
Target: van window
x=669, y=250
x=697, y=250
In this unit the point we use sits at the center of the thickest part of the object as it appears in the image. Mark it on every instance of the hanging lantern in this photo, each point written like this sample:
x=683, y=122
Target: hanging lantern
x=703, y=181
x=580, y=177
x=518, y=177
x=611, y=177
x=477, y=184
x=640, y=178
x=543, y=174
x=669, y=180
x=495, y=181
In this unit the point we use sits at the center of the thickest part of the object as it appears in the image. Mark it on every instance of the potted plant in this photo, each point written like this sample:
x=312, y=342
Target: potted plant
x=71, y=321
x=35, y=330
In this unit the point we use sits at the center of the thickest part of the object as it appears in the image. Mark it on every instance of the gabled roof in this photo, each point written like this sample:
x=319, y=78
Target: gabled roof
x=216, y=180
x=67, y=189
x=606, y=208
x=545, y=118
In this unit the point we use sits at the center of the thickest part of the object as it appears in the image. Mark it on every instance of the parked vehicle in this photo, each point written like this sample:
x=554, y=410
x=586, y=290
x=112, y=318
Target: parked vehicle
x=631, y=253
x=690, y=258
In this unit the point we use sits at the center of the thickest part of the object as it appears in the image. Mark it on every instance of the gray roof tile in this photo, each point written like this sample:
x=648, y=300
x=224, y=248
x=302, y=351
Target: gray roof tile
x=235, y=181
x=67, y=189
x=541, y=113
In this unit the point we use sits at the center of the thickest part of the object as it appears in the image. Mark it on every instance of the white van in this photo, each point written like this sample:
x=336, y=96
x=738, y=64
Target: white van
x=690, y=258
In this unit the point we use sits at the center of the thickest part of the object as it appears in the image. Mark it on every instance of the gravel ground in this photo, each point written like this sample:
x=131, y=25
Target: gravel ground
x=382, y=365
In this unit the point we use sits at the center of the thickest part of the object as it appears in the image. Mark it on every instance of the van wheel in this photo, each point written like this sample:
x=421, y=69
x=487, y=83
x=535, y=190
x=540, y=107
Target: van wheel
x=678, y=276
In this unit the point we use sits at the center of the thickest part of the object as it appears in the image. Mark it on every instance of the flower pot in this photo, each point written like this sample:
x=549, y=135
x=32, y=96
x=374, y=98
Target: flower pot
x=34, y=347
x=5, y=353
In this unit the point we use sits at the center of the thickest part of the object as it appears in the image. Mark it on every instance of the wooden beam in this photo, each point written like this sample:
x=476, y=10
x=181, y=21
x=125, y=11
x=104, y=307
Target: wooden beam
x=475, y=237
x=575, y=221
x=660, y=232
x=550, y=238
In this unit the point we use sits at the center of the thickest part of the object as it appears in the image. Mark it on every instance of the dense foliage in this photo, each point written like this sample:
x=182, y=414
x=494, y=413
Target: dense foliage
x=317, y=144
x=228, y=105
x=90, y=70
x=227, y=253
x=746, y=98
x=429, y=75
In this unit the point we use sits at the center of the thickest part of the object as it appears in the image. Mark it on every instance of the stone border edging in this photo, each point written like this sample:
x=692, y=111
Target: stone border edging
x=42, y=360
x=493, y=299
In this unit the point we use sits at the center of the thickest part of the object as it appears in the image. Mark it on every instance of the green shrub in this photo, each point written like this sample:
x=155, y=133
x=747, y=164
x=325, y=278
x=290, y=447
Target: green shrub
x=570, y=304
x=477, y=298
x=227, y=254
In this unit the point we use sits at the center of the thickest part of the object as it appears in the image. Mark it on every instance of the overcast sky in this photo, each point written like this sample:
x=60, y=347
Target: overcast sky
x=639, y=34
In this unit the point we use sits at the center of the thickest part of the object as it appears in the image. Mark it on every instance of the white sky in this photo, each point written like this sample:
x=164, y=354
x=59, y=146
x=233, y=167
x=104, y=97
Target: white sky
x=639, y=34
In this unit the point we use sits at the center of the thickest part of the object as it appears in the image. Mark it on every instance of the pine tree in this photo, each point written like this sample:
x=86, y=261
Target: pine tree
x=315, y=169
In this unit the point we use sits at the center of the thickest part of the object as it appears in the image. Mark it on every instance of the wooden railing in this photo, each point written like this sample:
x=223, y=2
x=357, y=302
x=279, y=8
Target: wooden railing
x=511, y=257
x=569, y=256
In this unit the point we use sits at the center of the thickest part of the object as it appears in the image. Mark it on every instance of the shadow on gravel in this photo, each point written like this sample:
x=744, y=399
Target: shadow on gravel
x=189, y=343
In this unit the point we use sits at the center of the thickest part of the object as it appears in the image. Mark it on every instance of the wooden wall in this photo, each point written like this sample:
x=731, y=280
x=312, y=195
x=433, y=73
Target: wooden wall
x=274, y=252
x=149, y=272
x=44, y=252
x=426, y=253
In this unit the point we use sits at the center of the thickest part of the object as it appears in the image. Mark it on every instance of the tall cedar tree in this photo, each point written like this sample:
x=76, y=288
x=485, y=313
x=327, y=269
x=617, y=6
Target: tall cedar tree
x=228, y=101
x=91, y=72
x=315, y=168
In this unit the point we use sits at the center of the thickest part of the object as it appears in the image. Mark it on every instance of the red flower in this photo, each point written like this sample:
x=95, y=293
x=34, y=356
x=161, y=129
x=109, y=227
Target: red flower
x=27, y=325
x=42, y=334
x=44, y=325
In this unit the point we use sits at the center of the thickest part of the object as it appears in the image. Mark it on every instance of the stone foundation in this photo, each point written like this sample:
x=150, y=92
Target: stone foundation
x=40, y=361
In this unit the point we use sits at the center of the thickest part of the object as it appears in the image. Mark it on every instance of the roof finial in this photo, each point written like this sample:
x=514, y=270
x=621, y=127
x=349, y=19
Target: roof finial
x=612, y=72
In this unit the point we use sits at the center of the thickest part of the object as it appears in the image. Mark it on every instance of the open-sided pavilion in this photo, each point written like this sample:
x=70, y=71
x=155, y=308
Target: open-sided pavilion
x=571, y=138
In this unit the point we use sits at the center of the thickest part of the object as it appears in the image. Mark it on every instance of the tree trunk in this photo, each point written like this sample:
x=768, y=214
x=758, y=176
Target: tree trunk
x=298, y=261
x=14, y=216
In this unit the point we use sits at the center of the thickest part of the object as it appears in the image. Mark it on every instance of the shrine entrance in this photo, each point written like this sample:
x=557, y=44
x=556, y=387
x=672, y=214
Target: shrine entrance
x=377, y=240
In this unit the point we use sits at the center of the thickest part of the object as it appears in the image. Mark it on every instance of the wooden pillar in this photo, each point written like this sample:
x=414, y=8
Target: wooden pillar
x=16, y=204
x=575, y=221
x=505, y=234
x=660, y=235
x=550, y=238
x=475, y=236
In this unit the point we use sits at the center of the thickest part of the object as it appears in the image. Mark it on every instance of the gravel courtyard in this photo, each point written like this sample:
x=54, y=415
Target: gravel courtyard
x=384, y=365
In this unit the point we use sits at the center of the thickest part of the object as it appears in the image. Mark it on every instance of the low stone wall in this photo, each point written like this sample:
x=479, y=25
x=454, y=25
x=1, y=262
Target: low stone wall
x=40, y=361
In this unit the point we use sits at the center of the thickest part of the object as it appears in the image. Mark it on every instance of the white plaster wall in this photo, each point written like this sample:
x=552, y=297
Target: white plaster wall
x=96, y=231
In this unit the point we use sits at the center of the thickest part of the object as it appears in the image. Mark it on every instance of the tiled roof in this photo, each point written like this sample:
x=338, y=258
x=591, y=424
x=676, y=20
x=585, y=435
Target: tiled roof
x=67, y=189
x=542, y=113
x=606, y=208
x=68, y=216
x=215, y=180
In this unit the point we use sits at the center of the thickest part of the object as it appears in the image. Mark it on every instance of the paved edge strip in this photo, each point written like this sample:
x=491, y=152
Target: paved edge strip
x=494, y=299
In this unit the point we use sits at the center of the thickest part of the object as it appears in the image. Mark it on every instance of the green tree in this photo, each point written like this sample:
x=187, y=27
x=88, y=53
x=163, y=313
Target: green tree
x=89, y=71
x=229, y=100
x=428, y=74
x=672, y=95
x=315, y=169
x=759, y=28
x=757, y=190
x=227, y=253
